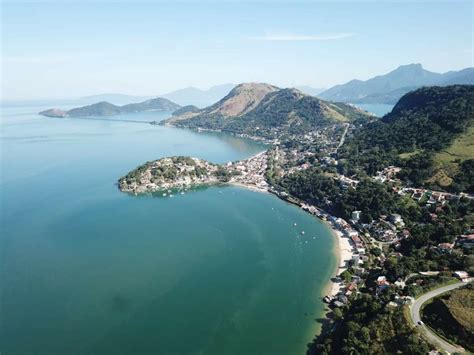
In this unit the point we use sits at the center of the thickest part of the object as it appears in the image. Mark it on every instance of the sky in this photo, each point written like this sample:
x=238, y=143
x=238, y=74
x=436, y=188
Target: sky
x=66, y=49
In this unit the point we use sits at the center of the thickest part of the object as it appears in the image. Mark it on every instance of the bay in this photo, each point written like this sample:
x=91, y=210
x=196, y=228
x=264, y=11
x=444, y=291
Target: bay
x=86, y=269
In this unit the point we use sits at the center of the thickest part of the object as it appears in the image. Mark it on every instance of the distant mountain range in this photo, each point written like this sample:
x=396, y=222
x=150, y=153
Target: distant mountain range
x=186, y=96
x=105, y=108
x=198, y=97
x=116, y=99
x=309, y=90
x=265, y=110
x=389, y=88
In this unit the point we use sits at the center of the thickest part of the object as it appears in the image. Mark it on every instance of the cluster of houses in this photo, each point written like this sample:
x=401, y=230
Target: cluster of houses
x=464, y=241
x=387, y=174
x=437, y=198
x=346, y=182
x=250, y=171
x=388, y=229
x=324, y=141
x=358, y=258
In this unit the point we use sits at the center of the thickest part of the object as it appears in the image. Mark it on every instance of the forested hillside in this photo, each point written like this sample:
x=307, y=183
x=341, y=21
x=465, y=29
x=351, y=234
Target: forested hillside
x=423, y=122
x=266, y=111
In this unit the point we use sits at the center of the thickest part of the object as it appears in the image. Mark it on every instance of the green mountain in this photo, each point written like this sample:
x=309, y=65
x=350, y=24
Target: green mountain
x=158, y=104
x=390, y=87
x=422, y=125
x=185, y=109
x=267, y=111
x=105, y=108
x=198, y=97
x=99, y=109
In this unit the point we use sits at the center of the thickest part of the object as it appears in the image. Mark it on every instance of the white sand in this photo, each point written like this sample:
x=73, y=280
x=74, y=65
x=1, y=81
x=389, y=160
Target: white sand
x=248, y=186
x=344, y=251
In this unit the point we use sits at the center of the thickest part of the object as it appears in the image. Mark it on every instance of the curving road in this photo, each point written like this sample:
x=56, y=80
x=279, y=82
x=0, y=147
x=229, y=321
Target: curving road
x=343, y=138
x=432, y=337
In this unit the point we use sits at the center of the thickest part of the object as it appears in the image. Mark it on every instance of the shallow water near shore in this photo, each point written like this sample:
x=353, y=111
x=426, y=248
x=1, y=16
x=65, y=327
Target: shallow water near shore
x=86, y=269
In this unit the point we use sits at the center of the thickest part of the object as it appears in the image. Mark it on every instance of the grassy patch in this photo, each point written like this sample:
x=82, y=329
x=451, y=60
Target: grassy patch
x=451, y=315
x=447, y=162
x=462, y=148
x=461, y=306
x=441, y=178
x=409, y=155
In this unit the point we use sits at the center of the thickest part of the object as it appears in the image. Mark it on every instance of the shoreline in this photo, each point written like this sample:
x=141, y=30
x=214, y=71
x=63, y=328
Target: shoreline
x=342, y=248
x=343, y=251
x=247, y=186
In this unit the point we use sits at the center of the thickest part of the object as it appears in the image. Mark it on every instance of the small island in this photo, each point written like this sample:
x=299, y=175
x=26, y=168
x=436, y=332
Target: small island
x=181, y=172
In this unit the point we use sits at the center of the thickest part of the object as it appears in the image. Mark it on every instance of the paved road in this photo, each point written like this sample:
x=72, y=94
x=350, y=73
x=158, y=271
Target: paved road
x=415, y=316
x=343, y=138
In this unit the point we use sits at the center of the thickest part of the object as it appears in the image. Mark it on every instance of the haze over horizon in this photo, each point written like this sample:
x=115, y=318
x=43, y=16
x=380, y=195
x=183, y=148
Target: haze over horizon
x=51, y=51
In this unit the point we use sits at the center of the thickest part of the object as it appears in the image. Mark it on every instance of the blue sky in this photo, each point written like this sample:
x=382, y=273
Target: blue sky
x=71, y=49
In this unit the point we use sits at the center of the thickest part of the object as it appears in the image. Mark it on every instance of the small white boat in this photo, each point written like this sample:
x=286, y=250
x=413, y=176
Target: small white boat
x=302, y=232
x=164, y=194
x=182, y=192
x=295, y=224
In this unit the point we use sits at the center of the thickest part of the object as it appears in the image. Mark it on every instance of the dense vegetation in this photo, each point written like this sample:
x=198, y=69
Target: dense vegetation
x=185, y=109
x=165, y=171
x=464, y=179
x=320, y=189
x=371, y=328
x=99, y=109
x=423, y=122
x=375, y=199
x=290, y=111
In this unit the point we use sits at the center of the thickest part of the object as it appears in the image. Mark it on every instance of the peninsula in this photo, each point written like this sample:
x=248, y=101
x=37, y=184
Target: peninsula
x=178, y=173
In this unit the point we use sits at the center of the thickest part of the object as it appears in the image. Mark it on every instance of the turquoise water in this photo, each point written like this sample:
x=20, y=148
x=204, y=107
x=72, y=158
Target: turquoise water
x=86, y=269
x=377, y=109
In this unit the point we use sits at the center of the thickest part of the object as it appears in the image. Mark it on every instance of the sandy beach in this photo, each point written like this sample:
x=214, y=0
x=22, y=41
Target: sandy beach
x=248, y=186
x=343, y=252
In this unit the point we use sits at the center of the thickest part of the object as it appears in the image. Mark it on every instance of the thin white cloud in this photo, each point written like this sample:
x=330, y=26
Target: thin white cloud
x=325, y=37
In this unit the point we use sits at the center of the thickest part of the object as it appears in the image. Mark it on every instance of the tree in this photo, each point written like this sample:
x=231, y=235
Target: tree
x=346, y=275
x=337, y=313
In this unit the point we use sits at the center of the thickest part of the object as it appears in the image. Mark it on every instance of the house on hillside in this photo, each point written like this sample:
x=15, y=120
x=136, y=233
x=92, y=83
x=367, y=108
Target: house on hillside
x=462, y=275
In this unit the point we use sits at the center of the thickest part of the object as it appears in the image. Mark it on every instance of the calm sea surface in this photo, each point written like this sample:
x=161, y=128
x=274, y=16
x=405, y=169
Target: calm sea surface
x=377, y=109
x=86, y=269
